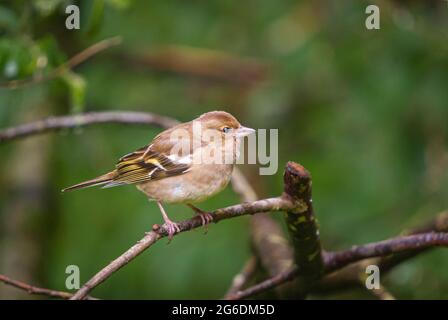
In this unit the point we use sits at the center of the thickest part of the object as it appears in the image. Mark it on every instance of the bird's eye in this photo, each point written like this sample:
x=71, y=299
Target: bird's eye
x=226, y=129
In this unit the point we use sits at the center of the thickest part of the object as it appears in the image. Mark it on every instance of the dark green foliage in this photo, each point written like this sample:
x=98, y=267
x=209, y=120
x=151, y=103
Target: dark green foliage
x=364, y=111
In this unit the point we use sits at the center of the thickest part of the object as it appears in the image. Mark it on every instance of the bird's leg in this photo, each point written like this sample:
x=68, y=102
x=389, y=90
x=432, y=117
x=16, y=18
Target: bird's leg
x=171, y=226
x=206, y=217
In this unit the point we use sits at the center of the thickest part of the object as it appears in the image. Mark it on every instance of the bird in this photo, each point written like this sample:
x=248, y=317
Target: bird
x=185, y=164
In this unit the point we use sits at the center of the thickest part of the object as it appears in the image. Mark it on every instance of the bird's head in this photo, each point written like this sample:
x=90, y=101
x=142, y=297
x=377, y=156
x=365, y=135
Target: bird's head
x=223, y=122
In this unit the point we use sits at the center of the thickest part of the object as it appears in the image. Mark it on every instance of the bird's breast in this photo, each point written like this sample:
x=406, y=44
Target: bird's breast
x=196, y=185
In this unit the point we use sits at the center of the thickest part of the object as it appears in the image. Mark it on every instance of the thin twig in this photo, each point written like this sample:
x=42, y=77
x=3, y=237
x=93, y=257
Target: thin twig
x=332, y=260
x=438, y=224
x=269, y=243
x=337, y=260
x=242, y=187
x=348, y=277
x=381, y=293
x=265, y=285
x=243, y=277
x=84, y=119
x=37, y=290
x=296, y=180
x=71, y=63
x=271, y=204
x=239, y=183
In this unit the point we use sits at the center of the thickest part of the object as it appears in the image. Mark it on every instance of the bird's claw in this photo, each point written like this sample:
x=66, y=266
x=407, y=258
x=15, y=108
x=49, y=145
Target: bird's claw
x=206, y=219
x=171, y=228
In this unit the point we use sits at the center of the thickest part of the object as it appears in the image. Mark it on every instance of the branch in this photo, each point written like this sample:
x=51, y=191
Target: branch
x=272, y=248
x=239, y=183
x=71, y=63
x=438, y=224
x=303, y=227
x=36, y=290
x=381, y=293
x=305, y=237
x=242, y=187
x=348, y=277
x=244, y=276
x=268, y=240
x=336, y=260
x=266, y=285
x=85, y=119
x=296, y=200
x=271, y=204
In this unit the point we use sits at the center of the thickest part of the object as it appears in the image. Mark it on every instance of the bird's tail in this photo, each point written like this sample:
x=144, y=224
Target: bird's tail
x=104, y=179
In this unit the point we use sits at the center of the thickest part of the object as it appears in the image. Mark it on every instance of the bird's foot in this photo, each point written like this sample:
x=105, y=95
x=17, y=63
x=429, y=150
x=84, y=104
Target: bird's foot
x=206, y=219
x=171, y=228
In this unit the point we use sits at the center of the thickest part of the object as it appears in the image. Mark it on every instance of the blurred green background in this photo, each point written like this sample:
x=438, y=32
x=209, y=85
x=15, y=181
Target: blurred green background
x=365, y=111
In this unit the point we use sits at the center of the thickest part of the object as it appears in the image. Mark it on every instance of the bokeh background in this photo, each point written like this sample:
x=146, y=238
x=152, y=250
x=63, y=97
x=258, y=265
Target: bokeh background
x=365, y=111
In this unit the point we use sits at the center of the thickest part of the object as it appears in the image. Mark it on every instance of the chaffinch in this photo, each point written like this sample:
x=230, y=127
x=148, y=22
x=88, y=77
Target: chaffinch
x=187, y=163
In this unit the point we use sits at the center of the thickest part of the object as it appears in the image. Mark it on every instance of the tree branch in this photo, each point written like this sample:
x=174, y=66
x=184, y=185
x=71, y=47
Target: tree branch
x=71, y=63
x=266, y=285
x=240, y=184
x=336, y=260
x=296, y=201
x=381, y=293
x=85, y=119
x=271, y=204
x=268, y=240
x=37, y=290
x=303, y=227
x=438, y=224
x=243, y=277
x=348, y=276
x=305, y=238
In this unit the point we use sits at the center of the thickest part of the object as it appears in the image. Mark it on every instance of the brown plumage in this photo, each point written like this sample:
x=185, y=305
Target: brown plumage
x=166, y=170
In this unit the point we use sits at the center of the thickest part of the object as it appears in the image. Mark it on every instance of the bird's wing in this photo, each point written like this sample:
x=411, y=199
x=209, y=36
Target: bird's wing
x=146, y=164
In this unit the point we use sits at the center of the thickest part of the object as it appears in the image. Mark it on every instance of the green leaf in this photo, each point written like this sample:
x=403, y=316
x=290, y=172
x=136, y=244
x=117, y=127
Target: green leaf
x=77, y=90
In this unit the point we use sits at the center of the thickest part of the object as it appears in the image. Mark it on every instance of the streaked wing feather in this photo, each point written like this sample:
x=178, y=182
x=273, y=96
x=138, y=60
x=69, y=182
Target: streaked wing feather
x=144, y=165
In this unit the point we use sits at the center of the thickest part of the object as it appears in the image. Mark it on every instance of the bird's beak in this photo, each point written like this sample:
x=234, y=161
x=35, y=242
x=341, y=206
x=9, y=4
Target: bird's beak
x=244, y=131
